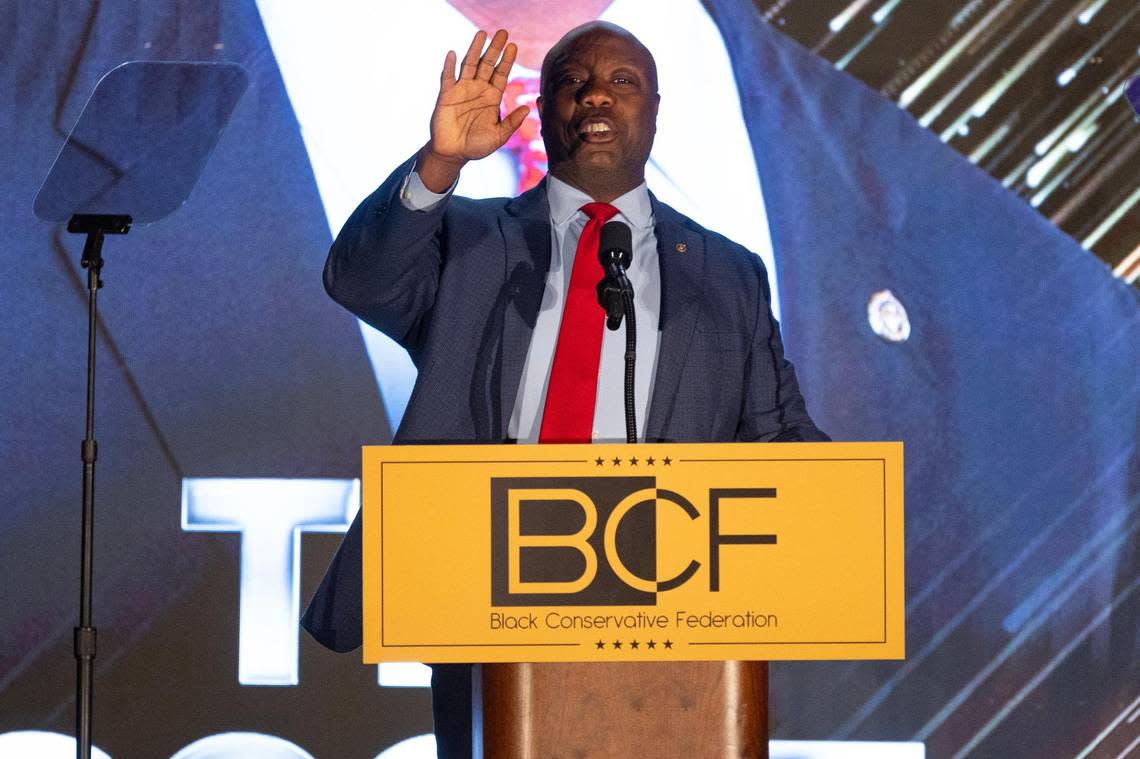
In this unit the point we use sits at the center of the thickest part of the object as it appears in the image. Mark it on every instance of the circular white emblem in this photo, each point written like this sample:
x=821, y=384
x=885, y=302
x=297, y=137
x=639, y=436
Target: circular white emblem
x=888, y=317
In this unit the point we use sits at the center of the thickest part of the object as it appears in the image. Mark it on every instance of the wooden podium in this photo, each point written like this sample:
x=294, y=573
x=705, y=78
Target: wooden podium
x=621, y=709
x=645, y=584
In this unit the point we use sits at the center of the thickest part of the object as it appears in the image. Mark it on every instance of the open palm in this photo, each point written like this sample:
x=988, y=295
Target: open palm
x=466, y=125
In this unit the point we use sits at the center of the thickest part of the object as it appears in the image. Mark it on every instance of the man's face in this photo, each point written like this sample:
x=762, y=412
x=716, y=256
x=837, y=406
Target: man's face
x=599, y=112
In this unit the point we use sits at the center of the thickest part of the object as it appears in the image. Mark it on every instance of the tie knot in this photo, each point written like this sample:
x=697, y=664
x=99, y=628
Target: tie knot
x=602, y=212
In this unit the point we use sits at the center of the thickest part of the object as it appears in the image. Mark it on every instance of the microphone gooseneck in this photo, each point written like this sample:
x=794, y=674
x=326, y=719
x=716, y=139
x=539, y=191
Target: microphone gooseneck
x=615, y=295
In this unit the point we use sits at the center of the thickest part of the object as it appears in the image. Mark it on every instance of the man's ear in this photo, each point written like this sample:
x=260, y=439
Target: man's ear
x=538, y=105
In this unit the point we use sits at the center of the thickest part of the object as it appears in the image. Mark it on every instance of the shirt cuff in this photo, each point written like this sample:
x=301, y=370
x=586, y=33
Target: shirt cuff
x=417, y=197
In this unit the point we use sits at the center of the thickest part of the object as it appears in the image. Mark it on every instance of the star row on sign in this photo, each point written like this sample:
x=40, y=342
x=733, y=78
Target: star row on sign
x=633, y=461
x=633, y=644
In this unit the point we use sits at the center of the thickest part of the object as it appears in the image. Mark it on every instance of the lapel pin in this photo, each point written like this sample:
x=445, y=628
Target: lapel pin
x=682, y=247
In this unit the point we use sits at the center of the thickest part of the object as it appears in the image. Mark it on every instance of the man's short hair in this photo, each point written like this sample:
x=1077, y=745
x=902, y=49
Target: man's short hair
x=591, y=27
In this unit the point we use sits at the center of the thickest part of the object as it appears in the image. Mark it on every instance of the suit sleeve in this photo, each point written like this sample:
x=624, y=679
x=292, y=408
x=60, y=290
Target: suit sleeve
x=384, y=265
x=774, y=409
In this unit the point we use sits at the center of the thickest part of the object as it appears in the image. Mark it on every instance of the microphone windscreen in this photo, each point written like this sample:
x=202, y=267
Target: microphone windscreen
x=616, y=244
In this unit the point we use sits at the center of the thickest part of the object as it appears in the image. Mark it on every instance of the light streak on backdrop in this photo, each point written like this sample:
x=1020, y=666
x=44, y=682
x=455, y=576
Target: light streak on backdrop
x=836, y=24
x=1090, y=11
x=881, y=14
x=911, y=93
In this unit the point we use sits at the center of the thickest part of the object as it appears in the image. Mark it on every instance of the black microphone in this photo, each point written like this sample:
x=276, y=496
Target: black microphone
x=615, y=247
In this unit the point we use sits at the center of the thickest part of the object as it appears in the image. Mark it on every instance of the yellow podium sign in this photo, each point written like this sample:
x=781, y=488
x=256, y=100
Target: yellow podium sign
x=642, y=552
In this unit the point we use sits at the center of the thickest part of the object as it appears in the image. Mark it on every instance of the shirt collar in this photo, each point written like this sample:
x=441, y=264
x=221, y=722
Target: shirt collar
x=566, y=200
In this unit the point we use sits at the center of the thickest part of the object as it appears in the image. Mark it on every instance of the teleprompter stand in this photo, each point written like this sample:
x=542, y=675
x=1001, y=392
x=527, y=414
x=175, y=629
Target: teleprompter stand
x=134, y=155
x=95, y=226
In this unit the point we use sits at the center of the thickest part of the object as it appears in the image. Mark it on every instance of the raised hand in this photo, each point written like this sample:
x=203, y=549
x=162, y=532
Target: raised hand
x=465, y=124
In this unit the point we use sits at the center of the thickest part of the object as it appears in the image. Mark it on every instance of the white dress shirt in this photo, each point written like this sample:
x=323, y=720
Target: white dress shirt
x=567, y=222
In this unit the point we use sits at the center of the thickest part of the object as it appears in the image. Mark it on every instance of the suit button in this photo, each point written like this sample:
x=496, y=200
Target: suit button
x=381, y=209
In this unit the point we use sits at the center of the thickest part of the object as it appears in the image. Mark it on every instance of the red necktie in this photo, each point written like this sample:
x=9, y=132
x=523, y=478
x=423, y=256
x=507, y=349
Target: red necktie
x=569, y=413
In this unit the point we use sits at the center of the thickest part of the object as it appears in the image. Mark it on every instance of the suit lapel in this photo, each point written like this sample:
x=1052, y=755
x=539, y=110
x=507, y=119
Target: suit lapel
x=681, y=256
x=526, y=235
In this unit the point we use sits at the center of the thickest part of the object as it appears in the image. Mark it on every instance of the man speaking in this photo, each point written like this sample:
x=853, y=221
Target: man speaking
x=495, y=299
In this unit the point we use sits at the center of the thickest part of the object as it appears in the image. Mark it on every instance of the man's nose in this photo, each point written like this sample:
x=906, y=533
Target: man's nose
x=595, y=94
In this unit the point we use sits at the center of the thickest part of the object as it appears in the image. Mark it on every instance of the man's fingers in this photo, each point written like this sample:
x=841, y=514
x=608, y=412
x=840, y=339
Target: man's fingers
x=512, y=122
x=491, y=57
x=471, y=59
x=503, y=70
x=447, y=76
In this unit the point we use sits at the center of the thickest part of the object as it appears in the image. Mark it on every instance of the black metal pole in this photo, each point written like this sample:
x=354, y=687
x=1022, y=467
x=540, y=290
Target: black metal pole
x=630, y=360
x=94, y=226
x=615, y=296
x=85, y=632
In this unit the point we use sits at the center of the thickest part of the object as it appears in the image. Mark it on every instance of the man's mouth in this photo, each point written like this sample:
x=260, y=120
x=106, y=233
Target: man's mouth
x=597, y=130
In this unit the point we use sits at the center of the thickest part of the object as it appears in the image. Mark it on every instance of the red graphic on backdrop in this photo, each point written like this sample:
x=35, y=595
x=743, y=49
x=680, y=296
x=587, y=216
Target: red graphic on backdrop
x=525, y=144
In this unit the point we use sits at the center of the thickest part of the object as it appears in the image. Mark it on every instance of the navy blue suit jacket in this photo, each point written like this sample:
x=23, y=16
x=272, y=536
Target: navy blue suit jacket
x=459, y=287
